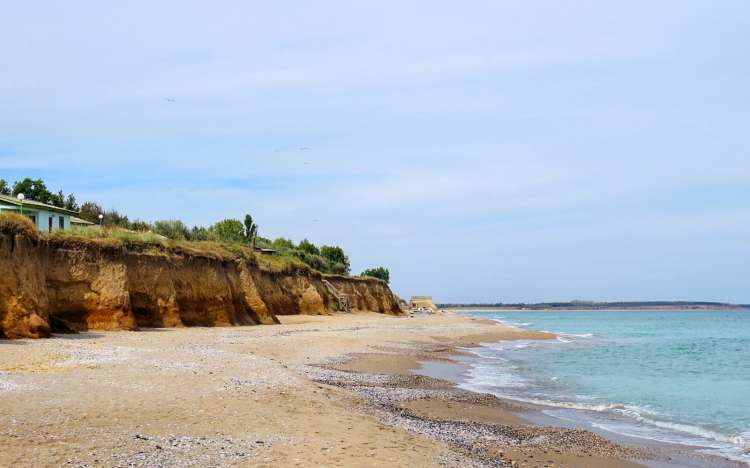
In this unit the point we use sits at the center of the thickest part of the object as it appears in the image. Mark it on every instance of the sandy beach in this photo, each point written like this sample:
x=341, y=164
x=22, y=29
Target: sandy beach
x=313, y=391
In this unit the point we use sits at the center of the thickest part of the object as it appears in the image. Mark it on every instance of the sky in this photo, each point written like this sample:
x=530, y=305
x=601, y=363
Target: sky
x=483, y=151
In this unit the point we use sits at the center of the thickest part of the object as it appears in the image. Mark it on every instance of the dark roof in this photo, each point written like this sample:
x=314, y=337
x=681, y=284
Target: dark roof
x=35, y=204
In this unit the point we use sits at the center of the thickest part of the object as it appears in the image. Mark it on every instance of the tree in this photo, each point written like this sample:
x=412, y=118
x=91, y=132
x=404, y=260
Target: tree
x=37, y=190
x=90, y=211
x=229, y=230
x=114, y=218
x=32, y=189
x=308, y=247
x=251, y=229
x=57, y=199
x=379, y=272
x=70, y=203
x=335, y=254
x=172, y=229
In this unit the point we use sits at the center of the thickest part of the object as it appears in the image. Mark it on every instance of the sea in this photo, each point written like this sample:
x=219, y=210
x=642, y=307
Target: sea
x=673, y=376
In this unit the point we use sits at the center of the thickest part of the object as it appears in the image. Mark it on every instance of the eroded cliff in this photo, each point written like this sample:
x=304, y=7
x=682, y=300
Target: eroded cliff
x=61, y=284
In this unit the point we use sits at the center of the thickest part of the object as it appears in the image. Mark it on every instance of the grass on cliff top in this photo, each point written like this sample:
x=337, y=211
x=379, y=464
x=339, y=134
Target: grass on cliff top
x=14, y=223
x=158, y=245
x=282, y=261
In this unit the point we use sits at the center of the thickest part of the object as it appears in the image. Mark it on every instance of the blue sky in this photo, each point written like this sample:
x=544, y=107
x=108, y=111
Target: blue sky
x=483, y=151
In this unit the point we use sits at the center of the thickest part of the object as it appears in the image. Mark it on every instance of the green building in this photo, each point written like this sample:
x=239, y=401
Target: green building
x=47, y=218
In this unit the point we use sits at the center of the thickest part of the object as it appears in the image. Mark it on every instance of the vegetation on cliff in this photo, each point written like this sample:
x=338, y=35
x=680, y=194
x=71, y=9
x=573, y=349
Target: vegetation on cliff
x=225, y=237
x=379, y=272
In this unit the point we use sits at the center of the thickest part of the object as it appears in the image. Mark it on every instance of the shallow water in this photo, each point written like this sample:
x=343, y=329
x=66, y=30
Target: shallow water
x=672, y=376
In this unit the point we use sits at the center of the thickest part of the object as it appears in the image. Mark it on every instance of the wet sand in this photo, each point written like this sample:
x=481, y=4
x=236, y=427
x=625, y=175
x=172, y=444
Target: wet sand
x=314, y=391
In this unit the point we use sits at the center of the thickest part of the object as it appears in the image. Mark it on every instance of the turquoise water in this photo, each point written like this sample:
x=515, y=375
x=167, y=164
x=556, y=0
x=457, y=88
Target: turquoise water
x=674, y=376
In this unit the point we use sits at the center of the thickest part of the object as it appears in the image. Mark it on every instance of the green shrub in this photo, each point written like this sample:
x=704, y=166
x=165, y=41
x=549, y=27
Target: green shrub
x=171, y=229
x=336, y=255
x=339, y=269
x=199, y=233
x=141, y=226
x=308, y=247
x=379, y=272
x=282, y=244
x=229, y=230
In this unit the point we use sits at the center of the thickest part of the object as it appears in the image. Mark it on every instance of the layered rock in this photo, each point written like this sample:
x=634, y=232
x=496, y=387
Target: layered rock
x=59, y=285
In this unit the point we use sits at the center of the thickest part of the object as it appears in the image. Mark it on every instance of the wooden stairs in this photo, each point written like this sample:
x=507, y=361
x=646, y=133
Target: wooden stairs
x=343, y=300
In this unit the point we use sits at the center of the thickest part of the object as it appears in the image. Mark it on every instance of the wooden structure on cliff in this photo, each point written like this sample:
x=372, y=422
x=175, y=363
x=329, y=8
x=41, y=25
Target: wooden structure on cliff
x=343, y=299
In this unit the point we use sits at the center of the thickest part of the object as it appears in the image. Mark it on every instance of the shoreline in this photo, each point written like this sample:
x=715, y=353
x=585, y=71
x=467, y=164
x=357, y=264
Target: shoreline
x=617, y=419
x=663, y=454
x=316, y=390
x=590, y=309
x=447, y=364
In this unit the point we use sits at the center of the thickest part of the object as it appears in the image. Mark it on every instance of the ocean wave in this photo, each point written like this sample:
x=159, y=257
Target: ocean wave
x=733, y=446
x=584, y=335
x=512, y=323
x=741, y=440
x=479, y=376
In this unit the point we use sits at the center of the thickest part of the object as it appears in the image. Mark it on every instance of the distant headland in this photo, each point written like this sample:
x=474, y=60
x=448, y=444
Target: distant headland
x=593, y=305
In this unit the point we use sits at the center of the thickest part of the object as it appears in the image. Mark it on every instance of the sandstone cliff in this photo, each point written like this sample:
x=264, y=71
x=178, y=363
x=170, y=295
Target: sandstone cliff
x=61, y=284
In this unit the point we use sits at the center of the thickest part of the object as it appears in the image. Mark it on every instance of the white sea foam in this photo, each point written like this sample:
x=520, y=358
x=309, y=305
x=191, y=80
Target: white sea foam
x=735, y=447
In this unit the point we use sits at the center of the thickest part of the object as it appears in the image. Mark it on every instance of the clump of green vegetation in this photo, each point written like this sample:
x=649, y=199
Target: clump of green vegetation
x=169, y=228
x=379, y=272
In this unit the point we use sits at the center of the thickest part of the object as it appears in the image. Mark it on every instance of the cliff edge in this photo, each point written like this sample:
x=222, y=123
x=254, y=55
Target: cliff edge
x=50, y=284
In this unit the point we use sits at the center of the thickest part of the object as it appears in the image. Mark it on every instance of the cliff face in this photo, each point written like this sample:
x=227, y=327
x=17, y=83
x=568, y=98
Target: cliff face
x=66, y=285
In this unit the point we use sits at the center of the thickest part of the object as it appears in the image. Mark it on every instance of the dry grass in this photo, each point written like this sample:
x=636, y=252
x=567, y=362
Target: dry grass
x=282, y=262
x=14, y=223
x=106, y=233
x=155, y=244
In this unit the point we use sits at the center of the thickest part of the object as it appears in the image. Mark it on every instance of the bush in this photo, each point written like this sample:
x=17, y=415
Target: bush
x=229, y=230
x=308, y=247
x=313, y=261
x=336, y=255
x=172, y=229
x=140, y=226
x=199, y=233
x=282, y=243
x=339, y=269
x=379, y=272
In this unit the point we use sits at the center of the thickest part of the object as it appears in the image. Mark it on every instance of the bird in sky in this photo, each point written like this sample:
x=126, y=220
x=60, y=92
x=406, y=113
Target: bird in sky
x=169, y=99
